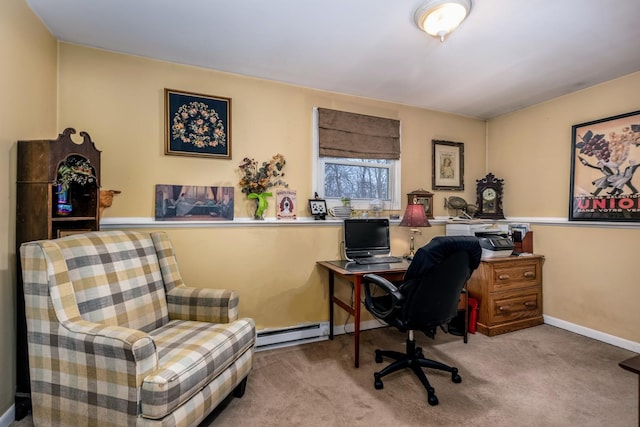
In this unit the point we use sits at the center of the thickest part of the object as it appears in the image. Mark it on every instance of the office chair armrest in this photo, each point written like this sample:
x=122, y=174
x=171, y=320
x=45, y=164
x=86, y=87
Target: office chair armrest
x=389, y=288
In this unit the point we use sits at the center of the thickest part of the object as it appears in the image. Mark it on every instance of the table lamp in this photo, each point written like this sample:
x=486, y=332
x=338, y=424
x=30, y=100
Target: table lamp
x=413, y=217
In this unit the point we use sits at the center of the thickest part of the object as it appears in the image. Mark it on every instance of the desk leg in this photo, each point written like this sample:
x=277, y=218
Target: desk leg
x=356, y=315
x=331, y=292
x=466, y=317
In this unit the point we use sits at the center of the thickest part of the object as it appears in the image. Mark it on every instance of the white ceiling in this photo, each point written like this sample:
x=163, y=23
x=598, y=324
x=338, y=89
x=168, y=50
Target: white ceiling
x=508, y=54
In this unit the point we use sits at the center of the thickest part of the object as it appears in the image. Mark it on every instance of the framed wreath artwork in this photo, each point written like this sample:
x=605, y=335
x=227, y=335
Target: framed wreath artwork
x=197, y=125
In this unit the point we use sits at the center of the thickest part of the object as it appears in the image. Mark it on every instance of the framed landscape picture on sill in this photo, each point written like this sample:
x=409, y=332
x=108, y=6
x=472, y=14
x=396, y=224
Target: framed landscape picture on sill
x=605, y=155
x=447, y=170
x=193, y=203
x=197, y=125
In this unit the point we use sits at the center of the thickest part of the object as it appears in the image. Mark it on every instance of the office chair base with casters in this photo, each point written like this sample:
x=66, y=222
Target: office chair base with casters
x=426, y=299
x=414, y=359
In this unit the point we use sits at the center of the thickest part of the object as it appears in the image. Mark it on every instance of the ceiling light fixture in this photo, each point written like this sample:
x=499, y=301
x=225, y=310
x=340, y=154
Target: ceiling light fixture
x=440, y=17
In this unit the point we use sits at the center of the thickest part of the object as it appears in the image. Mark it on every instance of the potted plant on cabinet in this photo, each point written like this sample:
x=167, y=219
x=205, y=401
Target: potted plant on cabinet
x=74, y=169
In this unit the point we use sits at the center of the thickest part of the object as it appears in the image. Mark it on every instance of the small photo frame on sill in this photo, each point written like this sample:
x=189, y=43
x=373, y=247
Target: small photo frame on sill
x=448, y=165
x=197, y=125
x=318, y=208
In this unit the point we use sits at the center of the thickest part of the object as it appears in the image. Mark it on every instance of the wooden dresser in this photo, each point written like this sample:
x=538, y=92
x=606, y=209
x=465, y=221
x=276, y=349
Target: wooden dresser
x=509, y=293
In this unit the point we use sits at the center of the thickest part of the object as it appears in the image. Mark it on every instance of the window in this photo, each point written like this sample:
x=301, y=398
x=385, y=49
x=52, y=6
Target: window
x=360, y=179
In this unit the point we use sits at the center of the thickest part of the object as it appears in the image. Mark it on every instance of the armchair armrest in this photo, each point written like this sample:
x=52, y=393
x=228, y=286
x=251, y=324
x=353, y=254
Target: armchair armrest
x=202, y=304
x=113, y=358
x=391, y=297
x=106, y=338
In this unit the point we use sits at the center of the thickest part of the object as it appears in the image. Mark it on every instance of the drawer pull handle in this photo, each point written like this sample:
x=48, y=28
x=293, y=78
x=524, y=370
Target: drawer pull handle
x=529, y=274
x=504, y=277
x=529, y=304
x=503, y=308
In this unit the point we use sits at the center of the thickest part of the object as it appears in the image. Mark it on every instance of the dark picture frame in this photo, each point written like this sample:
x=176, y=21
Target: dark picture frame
x=178, y=202
x=447, y=171
x=197, y=125
x=318, y=208
x=604, y=159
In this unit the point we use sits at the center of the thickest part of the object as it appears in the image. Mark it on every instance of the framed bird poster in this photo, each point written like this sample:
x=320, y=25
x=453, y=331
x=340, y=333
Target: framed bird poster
x=605, y=158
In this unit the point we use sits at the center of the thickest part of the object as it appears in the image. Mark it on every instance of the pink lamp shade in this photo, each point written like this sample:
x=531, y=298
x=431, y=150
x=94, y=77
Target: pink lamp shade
x=414, y=216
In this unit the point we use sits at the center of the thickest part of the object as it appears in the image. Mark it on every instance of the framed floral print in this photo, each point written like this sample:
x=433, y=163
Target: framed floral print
x=605, y=155
x=197, y=125
x=448, y=165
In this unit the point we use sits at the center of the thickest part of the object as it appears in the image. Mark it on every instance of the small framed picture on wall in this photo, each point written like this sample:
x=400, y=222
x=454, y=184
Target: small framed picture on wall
x=447, y=170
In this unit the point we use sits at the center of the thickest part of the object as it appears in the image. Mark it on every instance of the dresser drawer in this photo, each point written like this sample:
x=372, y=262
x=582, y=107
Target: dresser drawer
x=515, y=276
x=515, y=305
x=509, y=293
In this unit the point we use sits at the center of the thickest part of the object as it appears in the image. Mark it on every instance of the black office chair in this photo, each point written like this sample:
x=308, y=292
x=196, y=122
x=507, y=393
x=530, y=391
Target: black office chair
x=427, y=299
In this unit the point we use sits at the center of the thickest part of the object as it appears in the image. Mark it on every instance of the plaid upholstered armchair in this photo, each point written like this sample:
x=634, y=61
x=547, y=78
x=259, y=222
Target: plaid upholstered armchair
x=115, y=338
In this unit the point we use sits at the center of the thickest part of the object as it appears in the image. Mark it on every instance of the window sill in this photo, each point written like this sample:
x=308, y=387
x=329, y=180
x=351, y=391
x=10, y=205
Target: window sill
x=111, y=223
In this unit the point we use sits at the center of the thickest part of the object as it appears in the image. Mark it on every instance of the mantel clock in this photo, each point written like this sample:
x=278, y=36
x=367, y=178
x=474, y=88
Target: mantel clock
x=489, y=197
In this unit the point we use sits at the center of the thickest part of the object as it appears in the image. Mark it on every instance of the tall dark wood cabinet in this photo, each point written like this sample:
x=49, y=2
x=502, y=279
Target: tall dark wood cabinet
x=37, y=218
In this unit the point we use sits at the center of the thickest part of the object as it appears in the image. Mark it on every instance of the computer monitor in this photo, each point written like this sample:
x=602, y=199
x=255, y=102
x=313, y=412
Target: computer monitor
x=365, y=237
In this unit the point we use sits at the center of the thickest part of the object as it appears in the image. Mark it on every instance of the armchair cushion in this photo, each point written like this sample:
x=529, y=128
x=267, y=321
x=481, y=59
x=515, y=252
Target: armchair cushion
x=190, y=355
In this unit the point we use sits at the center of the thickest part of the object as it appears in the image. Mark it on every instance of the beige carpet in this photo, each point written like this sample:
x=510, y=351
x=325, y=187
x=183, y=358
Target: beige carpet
x=541, y=376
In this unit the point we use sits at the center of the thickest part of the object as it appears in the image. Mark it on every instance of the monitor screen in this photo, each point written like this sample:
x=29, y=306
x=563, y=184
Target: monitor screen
x=366, y=237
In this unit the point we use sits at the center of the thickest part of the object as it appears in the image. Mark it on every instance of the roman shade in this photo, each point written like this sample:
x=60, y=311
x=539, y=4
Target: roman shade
x=343, y=134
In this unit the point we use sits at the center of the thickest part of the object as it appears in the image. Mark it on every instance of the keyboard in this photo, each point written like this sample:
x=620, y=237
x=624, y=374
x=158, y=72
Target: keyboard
x=378, y=260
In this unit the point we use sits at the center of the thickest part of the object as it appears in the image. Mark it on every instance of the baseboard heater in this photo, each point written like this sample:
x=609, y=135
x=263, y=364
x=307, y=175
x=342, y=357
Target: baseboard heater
x=301, y=334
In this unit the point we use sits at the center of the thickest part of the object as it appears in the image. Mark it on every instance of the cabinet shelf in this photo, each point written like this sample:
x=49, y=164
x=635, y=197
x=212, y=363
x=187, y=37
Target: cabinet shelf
x=73, y=218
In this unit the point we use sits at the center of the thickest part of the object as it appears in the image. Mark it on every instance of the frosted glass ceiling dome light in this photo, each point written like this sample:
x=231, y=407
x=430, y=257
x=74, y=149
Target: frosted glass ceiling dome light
x=440, y=17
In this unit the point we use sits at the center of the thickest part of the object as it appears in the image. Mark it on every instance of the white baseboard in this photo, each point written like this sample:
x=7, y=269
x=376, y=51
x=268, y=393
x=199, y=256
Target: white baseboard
x=592, y=333
x=8, y=417
x=552, y=321
x=369, y=324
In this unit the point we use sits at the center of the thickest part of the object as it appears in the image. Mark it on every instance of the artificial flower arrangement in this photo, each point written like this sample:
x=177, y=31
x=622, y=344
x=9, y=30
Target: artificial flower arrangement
x=257, y=178
x=74, y=169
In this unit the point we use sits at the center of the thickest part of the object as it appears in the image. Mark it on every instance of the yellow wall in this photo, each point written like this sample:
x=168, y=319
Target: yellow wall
x=589, y=273
x=118, y=99
x=27, y=110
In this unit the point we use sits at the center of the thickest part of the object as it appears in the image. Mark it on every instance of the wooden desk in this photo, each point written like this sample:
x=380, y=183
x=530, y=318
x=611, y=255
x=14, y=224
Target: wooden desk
x=352, y=273
x=633, y=365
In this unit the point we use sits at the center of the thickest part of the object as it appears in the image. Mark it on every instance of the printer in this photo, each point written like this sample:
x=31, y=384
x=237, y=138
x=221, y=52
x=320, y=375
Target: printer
x=495, y=246
x=493, y=238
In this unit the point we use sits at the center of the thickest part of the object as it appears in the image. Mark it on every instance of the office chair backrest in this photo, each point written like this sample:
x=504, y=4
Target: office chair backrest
x=435, y=279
